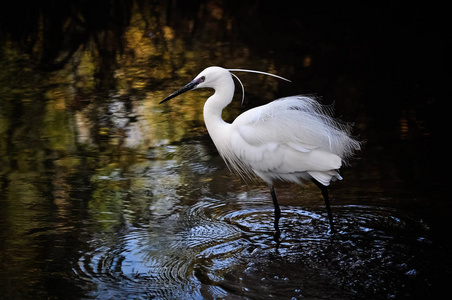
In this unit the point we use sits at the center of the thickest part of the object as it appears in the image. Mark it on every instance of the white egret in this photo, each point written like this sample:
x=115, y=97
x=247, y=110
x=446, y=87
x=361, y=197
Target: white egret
x=290, y=139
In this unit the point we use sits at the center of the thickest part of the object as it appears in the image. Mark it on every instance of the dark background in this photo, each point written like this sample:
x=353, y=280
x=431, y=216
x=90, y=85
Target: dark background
x=384, y=66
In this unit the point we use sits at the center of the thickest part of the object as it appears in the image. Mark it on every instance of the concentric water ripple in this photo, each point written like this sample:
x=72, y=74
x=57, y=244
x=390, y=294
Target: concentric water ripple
x=137, y=265
x=224, y=247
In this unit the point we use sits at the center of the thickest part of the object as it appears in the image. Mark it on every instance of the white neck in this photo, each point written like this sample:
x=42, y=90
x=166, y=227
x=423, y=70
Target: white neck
x=224, y=92
x=213, y=108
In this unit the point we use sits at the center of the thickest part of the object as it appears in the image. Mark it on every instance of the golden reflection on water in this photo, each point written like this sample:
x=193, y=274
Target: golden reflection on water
x=78, y=108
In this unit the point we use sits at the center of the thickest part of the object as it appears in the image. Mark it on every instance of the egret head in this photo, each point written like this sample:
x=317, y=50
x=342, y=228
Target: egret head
x=216, y=78
x=209, y=78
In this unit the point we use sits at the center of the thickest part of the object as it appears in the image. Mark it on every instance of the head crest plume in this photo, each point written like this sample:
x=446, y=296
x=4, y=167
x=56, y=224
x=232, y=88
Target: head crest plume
x=252, y=71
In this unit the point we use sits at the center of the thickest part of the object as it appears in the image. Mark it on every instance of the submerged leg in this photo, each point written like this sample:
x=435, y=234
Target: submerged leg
x=277, y=211
x=327, y=202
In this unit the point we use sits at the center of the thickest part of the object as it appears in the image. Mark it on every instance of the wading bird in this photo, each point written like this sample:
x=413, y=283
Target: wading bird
x=290, y=139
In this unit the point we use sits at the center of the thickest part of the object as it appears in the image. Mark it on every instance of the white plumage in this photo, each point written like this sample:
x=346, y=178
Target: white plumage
x=289, y=139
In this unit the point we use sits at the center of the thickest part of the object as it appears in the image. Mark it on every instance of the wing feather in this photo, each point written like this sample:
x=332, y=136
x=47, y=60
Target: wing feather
x=289, y=136
x=297, y=120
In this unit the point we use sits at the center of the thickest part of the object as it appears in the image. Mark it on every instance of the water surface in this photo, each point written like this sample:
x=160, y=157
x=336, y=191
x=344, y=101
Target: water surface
x=105, y=194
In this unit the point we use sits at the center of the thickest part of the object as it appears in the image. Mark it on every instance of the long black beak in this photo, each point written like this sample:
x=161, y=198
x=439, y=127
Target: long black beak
x=182, y=90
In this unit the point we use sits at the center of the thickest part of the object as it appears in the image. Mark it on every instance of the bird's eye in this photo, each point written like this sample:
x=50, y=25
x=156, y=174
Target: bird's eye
x=202, y=79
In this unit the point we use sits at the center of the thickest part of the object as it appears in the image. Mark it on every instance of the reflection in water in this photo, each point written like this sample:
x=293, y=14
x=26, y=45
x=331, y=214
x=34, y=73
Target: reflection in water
x=106, y=194
x=223, y=245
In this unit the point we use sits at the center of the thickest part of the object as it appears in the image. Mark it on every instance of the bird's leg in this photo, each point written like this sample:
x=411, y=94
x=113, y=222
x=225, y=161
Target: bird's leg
x=277, y=212
x=327, y=202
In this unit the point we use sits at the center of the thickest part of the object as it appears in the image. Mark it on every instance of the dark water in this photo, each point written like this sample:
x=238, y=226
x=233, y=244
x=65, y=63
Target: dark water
x=104, y=194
